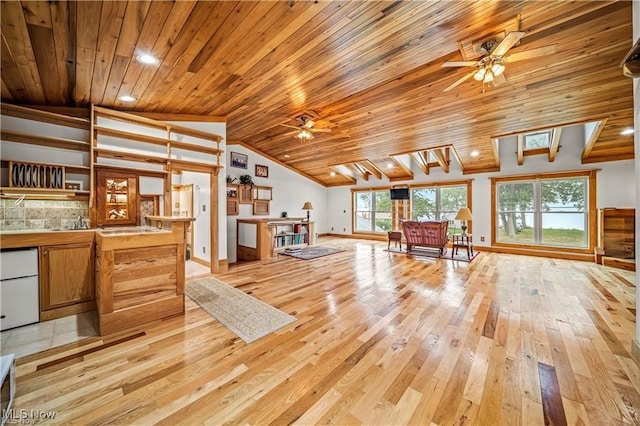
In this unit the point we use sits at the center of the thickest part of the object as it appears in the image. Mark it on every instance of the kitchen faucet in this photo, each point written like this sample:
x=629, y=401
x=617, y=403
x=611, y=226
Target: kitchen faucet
x=79, y=224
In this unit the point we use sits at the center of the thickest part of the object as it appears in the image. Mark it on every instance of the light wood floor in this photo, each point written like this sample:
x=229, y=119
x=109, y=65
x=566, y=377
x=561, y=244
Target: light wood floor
x=381, y=338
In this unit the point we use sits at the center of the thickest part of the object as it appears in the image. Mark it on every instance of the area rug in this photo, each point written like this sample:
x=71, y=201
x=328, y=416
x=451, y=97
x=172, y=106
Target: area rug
x=461, y=255
x=246, y=316
x=311, y=252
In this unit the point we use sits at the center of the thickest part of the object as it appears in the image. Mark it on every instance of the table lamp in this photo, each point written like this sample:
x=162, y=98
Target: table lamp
x=464, y=214
x=307, y=206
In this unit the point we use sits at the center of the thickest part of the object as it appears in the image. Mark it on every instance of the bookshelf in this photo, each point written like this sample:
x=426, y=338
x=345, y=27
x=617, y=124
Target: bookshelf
x=262, y=238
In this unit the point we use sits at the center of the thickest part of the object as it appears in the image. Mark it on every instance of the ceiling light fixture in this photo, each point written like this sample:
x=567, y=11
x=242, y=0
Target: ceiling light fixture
x=304, y=135
x=147, y=59
x=474, y=153
x=127, y=98
x=389, y=165
x=488, y=68
x=333, y=174
x=626, y=132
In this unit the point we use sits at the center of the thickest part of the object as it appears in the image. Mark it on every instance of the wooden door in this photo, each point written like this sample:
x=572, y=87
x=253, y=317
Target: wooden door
x=66, y=275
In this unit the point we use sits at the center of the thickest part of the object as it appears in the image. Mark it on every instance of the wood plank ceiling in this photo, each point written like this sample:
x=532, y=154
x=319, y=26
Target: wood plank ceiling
x=370, y=69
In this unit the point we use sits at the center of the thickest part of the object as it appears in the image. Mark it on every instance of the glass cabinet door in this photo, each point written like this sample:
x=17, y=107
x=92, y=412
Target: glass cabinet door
x=117, y=199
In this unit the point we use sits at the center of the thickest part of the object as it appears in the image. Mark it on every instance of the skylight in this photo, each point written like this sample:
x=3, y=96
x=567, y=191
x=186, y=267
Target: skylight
x=537, y=140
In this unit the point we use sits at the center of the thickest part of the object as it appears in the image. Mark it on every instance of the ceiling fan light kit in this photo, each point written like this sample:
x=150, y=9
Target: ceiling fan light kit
x=492, y=65
x=305, y=130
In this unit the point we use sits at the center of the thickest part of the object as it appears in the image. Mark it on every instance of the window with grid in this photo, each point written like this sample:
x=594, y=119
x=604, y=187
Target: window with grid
x=546, y=212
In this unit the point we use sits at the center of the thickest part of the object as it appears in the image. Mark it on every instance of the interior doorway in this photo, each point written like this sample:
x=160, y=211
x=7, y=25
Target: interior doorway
x=182, y=205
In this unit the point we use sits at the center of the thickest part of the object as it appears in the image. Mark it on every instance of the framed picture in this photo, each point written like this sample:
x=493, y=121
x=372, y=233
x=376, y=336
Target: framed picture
x=75, y=185
x=262, y=171
x=239, y=160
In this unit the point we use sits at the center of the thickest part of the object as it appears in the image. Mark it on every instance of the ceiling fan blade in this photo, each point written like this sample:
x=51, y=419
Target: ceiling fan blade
x=507, y=43
x=532, y=53
x=460, y=81
x=287, y=125
x=309, y=123
x=293, y=133
x=460, y=64
x=320, y=130
x=499, y=79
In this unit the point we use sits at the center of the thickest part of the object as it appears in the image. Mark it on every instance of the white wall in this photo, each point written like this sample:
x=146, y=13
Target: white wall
x=201, y=211
x=615, y=182
x=290, y=191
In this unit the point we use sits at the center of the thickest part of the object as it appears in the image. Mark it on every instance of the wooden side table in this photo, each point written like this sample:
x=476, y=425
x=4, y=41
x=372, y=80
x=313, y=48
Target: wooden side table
x=396, y=237
x=464, y=241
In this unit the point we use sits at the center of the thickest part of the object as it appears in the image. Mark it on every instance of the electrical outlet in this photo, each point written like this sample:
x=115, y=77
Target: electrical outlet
x=204, y=207
x=332, y=228
x=482, y=239
x=204, y=249
x=344, y=229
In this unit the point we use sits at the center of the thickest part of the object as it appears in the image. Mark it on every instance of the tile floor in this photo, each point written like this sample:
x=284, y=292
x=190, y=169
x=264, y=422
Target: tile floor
x=194, y=269
x=34, y=338
x=37, y=337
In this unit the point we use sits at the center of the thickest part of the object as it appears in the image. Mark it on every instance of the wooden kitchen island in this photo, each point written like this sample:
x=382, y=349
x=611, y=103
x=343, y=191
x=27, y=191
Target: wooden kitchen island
x=140, y=275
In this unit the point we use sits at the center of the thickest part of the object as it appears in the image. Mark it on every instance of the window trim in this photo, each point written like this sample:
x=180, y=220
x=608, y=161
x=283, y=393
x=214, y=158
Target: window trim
x=591, y=209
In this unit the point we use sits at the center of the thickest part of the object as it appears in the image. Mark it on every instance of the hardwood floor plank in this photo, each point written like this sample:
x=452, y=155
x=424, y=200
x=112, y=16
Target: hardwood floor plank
x=551, y=396
x=378, y=339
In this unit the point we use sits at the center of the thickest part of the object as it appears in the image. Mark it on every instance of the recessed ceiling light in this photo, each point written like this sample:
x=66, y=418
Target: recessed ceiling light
x=389, y=165
x=333, y=174
x=127, y=98
x=287, y=156
x=147, y=59
x=474, y=153
x=626, y=132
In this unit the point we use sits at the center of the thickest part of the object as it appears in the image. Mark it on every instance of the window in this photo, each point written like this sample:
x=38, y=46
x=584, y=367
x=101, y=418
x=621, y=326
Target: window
x=373, y=211
x=537, y=140
x=438, y=203
x=543, y=211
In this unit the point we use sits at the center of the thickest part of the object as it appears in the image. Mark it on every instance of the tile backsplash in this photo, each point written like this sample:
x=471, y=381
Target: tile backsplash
x=41, y=214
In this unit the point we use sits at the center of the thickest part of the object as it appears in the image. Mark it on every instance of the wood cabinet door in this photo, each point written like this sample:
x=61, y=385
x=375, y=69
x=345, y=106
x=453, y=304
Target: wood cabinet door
x=66, y=274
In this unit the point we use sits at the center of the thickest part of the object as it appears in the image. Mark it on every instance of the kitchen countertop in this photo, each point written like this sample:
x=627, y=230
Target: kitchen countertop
x=44, y=237
x=123, y=230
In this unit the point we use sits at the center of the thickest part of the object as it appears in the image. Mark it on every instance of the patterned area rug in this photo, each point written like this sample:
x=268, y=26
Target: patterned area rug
x=461, y=255
x=311, y=252
x=246, y=316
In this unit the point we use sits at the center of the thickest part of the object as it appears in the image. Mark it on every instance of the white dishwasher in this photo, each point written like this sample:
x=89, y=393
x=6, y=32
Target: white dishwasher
x=18, y=287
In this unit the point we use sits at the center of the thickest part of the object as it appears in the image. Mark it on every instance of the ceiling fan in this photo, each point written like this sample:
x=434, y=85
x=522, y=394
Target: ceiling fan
x=490, y=68
x=305, y=130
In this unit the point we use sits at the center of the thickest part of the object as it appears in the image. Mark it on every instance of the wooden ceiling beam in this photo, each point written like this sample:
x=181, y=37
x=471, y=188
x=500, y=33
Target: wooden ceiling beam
x=520, y=151
x=421, y=161
x=357, y=171
x=441, y=155
x=592, y=139
x=495, y=148
x=453, y=151
x=371, y=168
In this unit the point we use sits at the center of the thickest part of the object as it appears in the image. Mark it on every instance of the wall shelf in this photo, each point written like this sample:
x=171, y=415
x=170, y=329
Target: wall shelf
x=47, y=141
